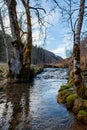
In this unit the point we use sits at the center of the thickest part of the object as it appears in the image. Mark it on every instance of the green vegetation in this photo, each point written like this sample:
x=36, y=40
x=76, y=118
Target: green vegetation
x=67, y=86
x=38, y=69
x=68, y=96
x=82, y=116
x=83, y=112
x=70, y=100
x=63, y=94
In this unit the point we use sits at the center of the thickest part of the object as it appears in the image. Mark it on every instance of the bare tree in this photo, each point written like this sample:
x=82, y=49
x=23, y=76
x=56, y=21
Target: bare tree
x=76, y=50
x=28, y=46
x=16, y=62
x=4, y=37
x=69, y=12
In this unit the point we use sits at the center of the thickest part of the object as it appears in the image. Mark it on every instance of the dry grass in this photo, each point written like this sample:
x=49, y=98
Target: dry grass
x=3, y=67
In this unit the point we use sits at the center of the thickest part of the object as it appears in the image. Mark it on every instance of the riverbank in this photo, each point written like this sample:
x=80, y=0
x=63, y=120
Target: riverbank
x=4, y=78
x=67, y=95
x=33, y=106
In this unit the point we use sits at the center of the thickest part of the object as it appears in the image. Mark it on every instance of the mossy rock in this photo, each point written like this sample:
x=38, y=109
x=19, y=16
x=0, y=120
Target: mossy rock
x=70, y=100
x=77, y=105
x=67, y=86
x=38, y=69
x=63, y=94
x=84, y=104
x=82, y=116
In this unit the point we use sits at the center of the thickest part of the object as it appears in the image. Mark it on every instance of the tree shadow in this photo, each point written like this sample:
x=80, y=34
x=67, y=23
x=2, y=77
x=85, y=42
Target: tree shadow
x=18, y=95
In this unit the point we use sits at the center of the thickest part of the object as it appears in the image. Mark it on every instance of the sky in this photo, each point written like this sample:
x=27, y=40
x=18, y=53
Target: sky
x=58, y=36
x=58, y=33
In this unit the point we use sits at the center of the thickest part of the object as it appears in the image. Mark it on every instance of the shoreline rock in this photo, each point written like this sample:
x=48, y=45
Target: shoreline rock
x=67, y=95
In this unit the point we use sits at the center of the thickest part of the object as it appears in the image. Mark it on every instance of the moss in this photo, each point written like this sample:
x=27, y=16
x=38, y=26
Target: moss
x=63, y=94
x=1, y=71
x=70, y=100
x=83, y=113
x=1, y=75
x=71, y=80
x=67, y=86
x=82, y=116
x=38, y=69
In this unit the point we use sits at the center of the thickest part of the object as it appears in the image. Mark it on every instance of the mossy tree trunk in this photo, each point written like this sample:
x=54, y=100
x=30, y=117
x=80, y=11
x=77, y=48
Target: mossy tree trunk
x=28, y=45
x=76, y=51
x=19, y=64
x=15, y=63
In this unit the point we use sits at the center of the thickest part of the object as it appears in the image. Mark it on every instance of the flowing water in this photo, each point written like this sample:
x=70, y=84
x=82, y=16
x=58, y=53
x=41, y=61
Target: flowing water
x=34, y=106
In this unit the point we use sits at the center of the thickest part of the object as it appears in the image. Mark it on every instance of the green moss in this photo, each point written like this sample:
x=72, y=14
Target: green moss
x=1, y=71
x=1, y=75
x=67, y=86
x=38, y=69
x=71, y=80
x=70, y=100
x=83, y=113
x=63, y=94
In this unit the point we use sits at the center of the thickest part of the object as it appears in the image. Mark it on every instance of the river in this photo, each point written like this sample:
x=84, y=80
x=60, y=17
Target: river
x=34, y=106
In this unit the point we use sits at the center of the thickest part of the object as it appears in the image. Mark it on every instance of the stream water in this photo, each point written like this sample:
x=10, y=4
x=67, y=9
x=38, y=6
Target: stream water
x=34, y=106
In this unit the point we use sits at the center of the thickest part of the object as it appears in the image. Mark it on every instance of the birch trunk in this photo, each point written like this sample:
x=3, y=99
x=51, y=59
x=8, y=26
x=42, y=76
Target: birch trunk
x=76, y=51
x=4, y=37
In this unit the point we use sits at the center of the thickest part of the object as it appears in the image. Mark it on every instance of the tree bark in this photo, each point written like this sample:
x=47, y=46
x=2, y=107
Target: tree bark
x=15, y=63
x=76, y=50
x=4, y=37
x=28, y=46
x=20, y=63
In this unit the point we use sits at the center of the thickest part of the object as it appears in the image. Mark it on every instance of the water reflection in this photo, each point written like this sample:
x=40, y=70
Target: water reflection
x=34, y=106
x=16, y=107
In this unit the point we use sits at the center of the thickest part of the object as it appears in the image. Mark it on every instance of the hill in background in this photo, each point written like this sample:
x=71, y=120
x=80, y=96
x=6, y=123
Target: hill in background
x=38, y=56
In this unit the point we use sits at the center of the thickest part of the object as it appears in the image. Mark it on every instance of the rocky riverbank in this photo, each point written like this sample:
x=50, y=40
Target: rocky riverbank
x=4, y=77
x=67, y=95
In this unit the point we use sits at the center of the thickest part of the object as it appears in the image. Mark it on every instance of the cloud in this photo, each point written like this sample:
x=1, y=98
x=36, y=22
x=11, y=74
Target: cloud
x=61, y=48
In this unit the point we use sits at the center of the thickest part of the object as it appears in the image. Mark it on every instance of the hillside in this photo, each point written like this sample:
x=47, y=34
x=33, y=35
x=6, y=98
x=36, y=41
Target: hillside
x=38, y=56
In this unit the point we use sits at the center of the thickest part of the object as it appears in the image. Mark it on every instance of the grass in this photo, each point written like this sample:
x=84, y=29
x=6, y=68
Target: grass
x=3, y=67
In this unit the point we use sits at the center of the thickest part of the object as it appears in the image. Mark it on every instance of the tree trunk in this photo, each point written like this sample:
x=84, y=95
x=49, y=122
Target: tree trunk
x=76, y=51
x=4, y=37
x=28, y=46
x=21, y=59
x=16, y=63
